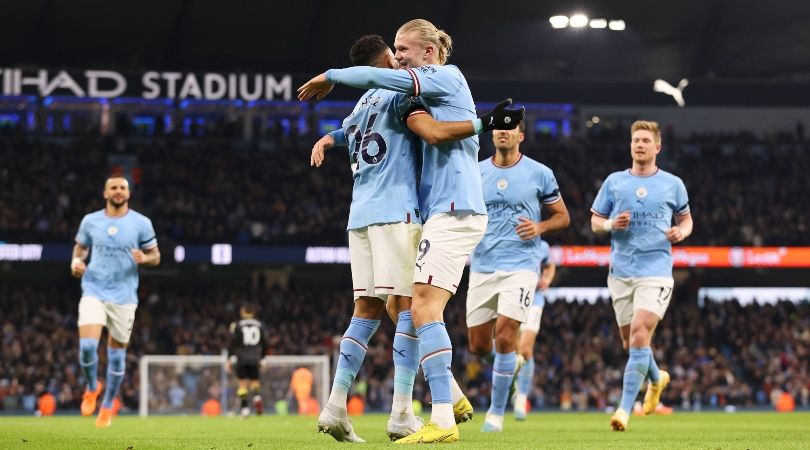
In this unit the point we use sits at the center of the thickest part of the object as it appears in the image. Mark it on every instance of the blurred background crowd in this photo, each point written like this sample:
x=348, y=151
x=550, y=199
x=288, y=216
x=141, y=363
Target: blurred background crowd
x=719, y=354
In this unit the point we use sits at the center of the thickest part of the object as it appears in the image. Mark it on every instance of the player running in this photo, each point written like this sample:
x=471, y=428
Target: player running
x=121, y=240
x=529, y=331
x=503, y=273
x=384, y=229
x=636, y=207
x=248, y=346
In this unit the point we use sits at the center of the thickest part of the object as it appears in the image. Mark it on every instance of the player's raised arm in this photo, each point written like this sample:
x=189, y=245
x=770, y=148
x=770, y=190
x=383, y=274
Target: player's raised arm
x=434, y=132
x=363, y=77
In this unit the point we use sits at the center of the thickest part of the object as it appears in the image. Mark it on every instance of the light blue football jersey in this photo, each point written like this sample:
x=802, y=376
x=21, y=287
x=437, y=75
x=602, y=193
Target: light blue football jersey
x=539, y=297
x=450, y=178
x=519, y=190
x=641, y=250
x=382, y=152
x=112, y=274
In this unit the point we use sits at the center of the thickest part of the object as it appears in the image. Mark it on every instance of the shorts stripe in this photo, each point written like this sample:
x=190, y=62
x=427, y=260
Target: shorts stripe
x=406, y=335
x=502, y=374
x=430, y=279
x=435, y=354
x=359, y=290
x=355, y=341
x=383, y=287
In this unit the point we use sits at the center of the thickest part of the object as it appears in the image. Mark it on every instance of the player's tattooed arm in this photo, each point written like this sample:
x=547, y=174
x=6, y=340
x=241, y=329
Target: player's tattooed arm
x=77, y=264
x=558, y=220
x=149, y=257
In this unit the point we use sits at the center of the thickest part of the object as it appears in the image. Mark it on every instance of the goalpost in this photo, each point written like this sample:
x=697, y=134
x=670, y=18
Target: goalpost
x=180, y=384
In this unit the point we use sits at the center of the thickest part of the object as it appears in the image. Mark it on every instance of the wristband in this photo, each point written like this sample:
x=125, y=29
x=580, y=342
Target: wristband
x=478, y=126
x=608, y=225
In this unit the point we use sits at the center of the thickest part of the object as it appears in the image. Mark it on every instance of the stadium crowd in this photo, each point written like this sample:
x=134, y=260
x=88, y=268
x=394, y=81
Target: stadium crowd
x=718, y=354
x=206, y=190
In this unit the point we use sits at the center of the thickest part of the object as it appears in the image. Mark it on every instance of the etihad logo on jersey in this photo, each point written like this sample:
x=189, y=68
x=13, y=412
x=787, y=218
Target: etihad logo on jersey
x=646, y=218
x=502, y=209
x=109, y=250
x=648, y=215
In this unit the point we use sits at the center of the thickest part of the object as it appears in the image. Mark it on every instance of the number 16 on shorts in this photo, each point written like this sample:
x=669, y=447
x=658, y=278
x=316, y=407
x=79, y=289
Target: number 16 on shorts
x=500, y=293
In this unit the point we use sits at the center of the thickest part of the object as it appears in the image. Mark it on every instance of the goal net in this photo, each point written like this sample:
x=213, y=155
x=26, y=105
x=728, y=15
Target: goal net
x=183, y=384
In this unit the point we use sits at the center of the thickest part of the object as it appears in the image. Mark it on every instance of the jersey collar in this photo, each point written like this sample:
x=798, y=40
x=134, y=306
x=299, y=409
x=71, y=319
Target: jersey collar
x=520, y=156
x=630, y=171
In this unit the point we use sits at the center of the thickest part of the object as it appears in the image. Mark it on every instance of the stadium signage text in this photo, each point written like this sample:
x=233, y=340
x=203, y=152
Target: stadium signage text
x=20, y=252
x=223, y=254
x=148, y=85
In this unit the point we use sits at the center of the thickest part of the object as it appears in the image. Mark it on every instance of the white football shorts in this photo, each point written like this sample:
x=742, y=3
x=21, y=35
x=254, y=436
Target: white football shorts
x=499, y=293
x=382, y=259
x=632, y=294
x=447, y=241
x=533, y=319
x=119, y=319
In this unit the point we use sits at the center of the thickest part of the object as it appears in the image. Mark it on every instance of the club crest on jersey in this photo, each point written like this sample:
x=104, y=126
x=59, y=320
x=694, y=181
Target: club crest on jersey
x=641, y=192
x=112, y=230
x=502, y=184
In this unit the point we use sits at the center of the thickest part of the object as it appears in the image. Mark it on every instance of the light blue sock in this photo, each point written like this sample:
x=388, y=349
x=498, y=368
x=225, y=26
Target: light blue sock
x=436, y=357
x=406, y=361
x=88, y=359
x=116, y=365
x=502, y=373
x=634, y=374
x=652, y=372
x=353, y=348
x=525, y=377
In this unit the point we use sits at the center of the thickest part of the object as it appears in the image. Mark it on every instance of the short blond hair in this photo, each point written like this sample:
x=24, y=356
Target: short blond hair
x=648, y=125
x=427, y=32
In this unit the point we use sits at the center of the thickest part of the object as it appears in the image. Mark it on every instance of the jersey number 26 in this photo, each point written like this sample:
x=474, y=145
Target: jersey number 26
x=361, y=142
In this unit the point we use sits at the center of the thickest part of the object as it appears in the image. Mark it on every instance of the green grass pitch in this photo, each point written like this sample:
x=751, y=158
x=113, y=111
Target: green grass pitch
x=544, y=430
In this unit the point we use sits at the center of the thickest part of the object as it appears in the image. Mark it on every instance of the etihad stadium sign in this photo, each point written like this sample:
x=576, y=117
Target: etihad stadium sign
x=147, y=85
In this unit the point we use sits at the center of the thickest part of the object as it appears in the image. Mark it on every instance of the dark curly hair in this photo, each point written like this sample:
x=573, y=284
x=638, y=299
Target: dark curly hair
x=367, y=49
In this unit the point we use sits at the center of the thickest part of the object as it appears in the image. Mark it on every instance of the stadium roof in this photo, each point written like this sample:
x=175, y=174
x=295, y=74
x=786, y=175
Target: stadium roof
x=686, y=38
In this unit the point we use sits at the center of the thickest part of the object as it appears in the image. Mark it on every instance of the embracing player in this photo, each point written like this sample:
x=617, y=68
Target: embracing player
x=117, y=240
x=450, y=199
x=384, y=229
x=503, y=273
x=636, y=206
